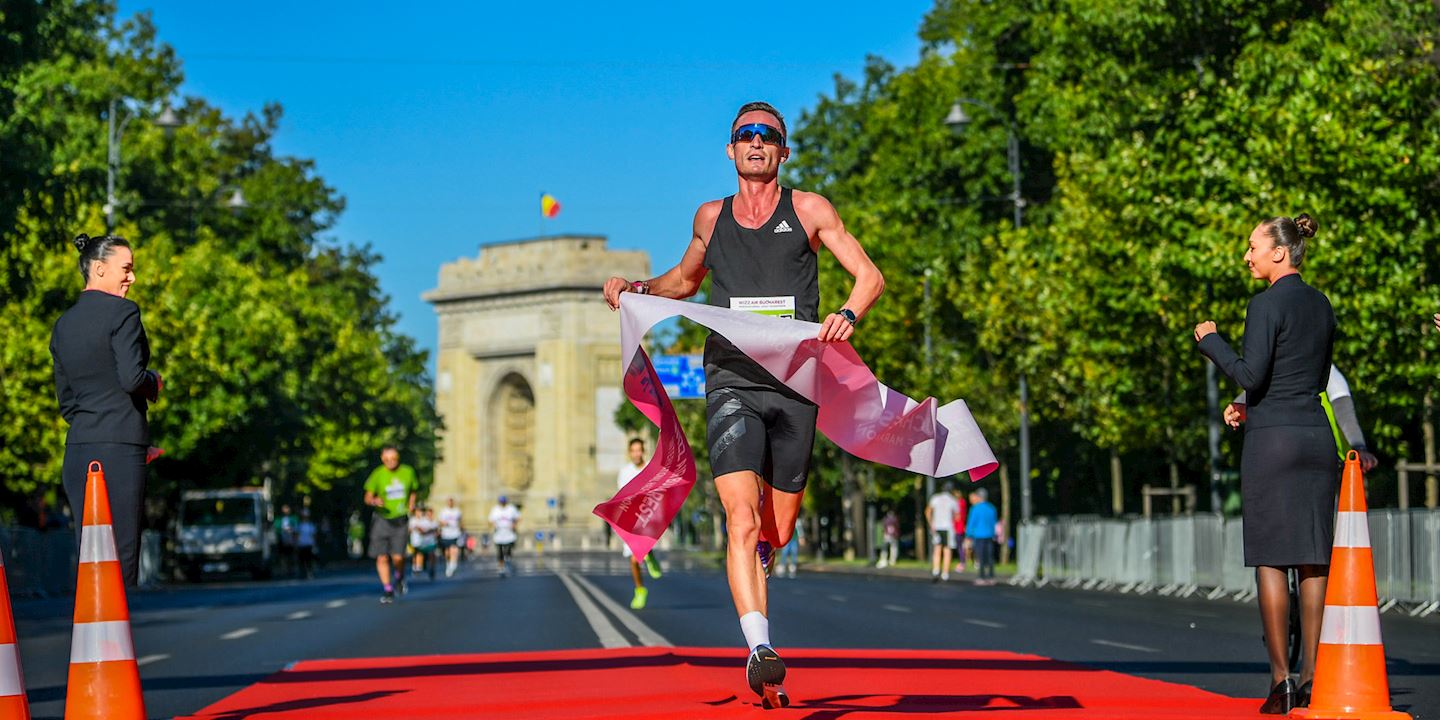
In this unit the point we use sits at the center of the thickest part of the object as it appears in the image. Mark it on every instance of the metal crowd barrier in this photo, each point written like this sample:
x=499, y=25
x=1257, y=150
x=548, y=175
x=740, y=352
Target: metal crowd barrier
x=1191, y=554
x=42, y=563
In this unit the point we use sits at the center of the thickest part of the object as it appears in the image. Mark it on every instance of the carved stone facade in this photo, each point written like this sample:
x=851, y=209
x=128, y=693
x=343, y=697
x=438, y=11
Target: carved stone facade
x=528, y=379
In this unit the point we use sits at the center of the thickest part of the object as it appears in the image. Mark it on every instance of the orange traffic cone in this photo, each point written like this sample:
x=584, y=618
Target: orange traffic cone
x=12, y=683
x=1350, y=677
x=104, y=679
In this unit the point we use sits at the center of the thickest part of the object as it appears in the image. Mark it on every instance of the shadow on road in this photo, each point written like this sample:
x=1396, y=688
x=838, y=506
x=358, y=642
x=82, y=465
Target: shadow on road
x=55, y=693
x=303, y=704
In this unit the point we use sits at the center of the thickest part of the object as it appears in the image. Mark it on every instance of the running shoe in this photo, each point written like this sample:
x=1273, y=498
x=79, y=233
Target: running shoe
x=638, y=602
x=387, y=597
x=402, y=587
x=767, y=555
x=652, y=565
x=765, y=673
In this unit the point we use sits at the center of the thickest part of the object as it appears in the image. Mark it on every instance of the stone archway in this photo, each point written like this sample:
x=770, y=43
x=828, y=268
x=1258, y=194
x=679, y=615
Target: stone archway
x=512, y=415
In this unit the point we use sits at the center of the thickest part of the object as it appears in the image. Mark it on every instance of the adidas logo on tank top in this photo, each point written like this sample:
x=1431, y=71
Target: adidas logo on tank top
x=783, y=227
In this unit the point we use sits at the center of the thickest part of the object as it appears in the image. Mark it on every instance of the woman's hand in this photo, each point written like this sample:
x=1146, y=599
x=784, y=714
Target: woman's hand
x=1234, y=415
x=1368, y=461
x=1203, y=329
x=158, y=385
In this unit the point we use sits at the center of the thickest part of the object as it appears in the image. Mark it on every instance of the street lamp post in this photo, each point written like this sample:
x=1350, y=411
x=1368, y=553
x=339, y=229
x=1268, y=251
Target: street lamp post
x=167, y=120
x=957, y=121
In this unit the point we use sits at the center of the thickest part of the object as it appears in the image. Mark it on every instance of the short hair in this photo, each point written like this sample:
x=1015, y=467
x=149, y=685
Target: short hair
x=389, y=448
x=633, y=441
x=948, y=487
x=96, y=249
x=763, y=107
x=1291, y=233
x=982, y=493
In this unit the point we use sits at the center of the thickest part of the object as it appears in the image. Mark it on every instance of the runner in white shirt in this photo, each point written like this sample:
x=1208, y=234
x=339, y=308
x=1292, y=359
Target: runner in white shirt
x=505, y=519
x=623, y=478
x=417, y=519
x=940, y=514
x=450, y=535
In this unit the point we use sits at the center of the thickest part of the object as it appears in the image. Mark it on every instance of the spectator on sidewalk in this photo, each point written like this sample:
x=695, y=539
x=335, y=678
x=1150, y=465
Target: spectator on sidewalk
x=285, y=536
x=980, y=528
x=940, y=515
x=305, y=533
x=963, y=542
x=890, y=552
x=790, y=554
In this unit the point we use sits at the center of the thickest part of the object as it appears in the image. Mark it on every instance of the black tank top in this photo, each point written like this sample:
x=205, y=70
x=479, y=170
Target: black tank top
x=773, y=261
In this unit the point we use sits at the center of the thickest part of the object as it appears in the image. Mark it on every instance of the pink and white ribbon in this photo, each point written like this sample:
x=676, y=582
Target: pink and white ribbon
x=856, y=411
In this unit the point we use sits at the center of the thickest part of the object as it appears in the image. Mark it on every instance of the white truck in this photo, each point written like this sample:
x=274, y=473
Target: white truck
x=222, y=531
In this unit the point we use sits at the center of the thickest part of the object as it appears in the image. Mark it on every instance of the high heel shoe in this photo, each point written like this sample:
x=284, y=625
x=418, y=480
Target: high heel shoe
x=1302, y=698
x=1281, y=700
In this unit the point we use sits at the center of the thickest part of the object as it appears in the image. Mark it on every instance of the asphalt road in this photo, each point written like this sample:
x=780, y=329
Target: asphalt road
x=198, y=644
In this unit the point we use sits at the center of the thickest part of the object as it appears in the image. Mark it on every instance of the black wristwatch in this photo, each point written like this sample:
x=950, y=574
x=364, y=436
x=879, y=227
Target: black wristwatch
x=849, y=316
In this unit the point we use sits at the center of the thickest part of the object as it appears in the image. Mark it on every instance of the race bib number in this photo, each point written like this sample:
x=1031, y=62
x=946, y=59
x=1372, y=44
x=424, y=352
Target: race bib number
x=396, y=490
x=779, y=306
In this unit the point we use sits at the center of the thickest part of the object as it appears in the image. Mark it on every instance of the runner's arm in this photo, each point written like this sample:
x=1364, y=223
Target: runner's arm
x=683, y=280
x=816, y=212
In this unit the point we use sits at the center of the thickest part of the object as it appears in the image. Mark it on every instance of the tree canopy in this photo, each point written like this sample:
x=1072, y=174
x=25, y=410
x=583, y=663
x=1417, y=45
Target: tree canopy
x=279, y=351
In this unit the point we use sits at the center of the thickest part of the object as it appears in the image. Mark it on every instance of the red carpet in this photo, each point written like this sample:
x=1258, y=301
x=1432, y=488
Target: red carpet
x=703, y=683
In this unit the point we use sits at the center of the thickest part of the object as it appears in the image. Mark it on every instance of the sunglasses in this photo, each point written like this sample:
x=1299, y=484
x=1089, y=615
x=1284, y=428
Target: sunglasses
x=768, y=134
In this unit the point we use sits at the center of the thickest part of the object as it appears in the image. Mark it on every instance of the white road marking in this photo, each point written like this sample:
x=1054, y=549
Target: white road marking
x=336, y=604
x=837, y=598
x=986, y=623
x=237, y=634
x=298, y=615
x=642, y=631
x=896, y=608
x=604, y=629
x=142, y=662
x=1125, y=646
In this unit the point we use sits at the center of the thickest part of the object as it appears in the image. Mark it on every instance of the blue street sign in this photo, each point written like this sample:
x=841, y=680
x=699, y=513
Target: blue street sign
x=683, y=376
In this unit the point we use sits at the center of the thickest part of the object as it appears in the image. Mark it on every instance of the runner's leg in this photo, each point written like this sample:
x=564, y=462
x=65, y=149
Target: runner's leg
x=1313, y=580
x=740, y=496
x=1274, y=600
x=382, y=568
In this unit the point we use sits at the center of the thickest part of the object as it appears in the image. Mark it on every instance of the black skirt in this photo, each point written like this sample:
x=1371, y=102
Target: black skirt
x=1289, y=480
x=124, y=467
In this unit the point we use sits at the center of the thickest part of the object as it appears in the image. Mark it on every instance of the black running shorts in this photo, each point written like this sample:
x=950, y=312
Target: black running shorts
x=763, y=431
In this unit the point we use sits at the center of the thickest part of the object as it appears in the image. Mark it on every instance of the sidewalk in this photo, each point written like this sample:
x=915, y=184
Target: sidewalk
x=905, y=570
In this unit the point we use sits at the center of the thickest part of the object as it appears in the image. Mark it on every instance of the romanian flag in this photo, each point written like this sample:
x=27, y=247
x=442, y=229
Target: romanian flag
x=549, y=206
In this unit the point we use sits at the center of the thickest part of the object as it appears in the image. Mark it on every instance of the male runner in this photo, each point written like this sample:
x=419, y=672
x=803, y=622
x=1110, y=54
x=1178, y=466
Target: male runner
x=391, y=490
x=450, y=535
x=940, y=513
x=759, y=247
x=504, y=520
x=636, y=452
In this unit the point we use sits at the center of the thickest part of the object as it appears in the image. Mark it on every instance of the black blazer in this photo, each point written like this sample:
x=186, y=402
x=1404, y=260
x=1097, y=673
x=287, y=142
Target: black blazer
x=1289, y=337
x=100, y=352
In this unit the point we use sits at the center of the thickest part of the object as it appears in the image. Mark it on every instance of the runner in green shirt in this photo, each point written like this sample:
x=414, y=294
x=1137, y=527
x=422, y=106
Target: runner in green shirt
x=391, y=490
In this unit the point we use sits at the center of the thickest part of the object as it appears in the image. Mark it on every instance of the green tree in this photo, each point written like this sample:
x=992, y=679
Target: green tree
x=279, y=351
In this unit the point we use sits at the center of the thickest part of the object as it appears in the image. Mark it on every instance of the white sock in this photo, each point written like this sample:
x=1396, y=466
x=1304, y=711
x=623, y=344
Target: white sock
x=756, y=628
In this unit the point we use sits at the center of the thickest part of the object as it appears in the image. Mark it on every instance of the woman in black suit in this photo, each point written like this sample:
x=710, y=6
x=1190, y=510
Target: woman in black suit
x=1290, y=475
x=104, y=388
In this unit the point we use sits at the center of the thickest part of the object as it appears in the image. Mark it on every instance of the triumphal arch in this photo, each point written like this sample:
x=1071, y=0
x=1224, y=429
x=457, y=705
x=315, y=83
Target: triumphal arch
x=528, y=381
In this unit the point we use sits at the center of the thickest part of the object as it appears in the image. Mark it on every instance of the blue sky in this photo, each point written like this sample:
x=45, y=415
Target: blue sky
x=441, y=126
